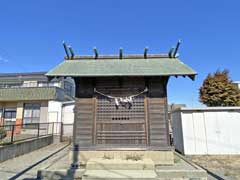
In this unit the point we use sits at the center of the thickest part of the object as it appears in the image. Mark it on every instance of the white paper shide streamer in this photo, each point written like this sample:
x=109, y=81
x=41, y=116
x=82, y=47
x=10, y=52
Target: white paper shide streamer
x=126, y=102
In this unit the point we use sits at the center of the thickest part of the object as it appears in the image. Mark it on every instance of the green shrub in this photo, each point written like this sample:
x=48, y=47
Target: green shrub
x=134, y=157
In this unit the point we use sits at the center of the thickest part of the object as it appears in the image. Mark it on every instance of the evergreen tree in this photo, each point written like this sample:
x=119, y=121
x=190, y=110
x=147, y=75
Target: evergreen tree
x=218, y=90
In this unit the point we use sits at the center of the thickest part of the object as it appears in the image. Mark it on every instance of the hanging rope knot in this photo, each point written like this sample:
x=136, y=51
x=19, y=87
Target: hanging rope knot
x=126, y=102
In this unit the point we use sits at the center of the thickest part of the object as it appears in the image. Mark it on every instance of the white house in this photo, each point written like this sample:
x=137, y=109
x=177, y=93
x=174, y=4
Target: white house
x=33, y=98
x=237, y=83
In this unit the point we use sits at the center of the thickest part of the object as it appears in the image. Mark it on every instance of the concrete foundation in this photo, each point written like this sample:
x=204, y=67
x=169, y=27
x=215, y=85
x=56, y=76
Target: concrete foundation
x=158, y=157
x=112, y=168
x=119, y=164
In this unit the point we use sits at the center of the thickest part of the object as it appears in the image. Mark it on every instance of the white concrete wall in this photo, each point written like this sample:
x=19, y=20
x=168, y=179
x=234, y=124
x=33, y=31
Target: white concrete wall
x=55, y=115
x=68, y=114
x=68, y=119
x=61, y=112
x=44, y=112
x=207, y=130
x=177, y=132
x=54, y=111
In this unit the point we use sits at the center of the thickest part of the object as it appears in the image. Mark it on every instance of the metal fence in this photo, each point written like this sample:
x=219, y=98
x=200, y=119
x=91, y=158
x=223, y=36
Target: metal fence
x=20, y=132
x=67, y=130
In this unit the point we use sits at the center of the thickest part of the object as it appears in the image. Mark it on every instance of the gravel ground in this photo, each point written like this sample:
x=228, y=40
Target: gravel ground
x=223, y=167
x=25, y=167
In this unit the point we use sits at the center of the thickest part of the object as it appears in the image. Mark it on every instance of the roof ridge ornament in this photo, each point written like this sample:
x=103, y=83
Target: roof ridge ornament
x=71, y=52
x=170, y=53
x=66, y=49
x=173, y=51
x=145, y=52
x=176, y=49
x=95, y=52
x=120, y=53
x=70, y=55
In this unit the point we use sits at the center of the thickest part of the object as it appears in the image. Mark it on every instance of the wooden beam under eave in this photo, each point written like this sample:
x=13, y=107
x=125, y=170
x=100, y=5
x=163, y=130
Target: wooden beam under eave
x=192, y=77
x=50, y=78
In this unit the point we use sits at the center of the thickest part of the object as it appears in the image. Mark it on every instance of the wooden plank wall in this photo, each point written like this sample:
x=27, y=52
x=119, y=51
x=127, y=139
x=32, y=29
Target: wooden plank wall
x=157, y=112
x=158, y=133
x=83, y=122
x=156, y=108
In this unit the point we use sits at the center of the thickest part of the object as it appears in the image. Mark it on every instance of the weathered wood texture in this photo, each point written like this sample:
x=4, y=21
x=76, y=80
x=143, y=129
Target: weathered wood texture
x=121, y=126
x=157, y=112
x=84, y=121
x=98, y=122
x=158, y=132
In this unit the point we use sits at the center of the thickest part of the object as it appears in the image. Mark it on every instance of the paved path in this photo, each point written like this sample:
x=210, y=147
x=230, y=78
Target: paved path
x=25, y=167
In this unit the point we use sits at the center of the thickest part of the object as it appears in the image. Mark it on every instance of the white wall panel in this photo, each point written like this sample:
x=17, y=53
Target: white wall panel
x=68, y=114
x=212, y=131
x=189, y=135
x=199, y=132
x=177, y=132
x=207, y=130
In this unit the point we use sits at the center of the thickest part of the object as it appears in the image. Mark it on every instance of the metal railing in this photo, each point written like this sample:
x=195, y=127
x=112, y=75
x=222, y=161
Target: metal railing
x=24, y=85
x=20, y=132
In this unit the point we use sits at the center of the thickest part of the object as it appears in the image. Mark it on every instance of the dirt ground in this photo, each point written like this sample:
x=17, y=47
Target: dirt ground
x=222, y=166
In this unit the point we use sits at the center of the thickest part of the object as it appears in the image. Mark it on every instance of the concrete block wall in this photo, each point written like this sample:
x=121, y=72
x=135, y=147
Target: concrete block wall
x=20, y=148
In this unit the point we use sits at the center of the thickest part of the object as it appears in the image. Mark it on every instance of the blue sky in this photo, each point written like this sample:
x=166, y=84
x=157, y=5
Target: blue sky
x=31, y=34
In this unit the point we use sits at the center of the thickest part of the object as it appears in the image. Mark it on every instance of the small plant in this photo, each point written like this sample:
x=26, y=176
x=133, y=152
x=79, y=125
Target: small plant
x=176, y=160
x=226, y=173
x=134, y=157
x=106, y=157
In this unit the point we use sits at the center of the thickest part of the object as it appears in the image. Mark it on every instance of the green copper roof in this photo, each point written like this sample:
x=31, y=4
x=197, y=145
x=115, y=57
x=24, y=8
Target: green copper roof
x=122, y=67
x=32, y=93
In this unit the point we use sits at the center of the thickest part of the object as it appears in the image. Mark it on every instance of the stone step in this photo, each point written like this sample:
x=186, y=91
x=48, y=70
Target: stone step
x=119, y=175
x=119, y=164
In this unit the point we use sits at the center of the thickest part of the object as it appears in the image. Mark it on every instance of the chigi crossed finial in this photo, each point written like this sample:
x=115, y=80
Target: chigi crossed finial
x=173, y=53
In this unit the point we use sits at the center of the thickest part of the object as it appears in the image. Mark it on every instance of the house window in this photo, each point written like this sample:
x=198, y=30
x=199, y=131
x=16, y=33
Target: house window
x=31, y=113
x=9, y=118
x=10, y=85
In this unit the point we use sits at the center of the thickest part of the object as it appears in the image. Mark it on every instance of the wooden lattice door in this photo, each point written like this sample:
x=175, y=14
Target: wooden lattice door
x=120, y=126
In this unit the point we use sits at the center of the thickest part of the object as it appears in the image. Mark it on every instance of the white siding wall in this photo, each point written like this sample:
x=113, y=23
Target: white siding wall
x=68, y=119
x=54, y=111
x=55, y=114
x=207, y=130
x=177, y=131
x=68, y=114
x=60, y=113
